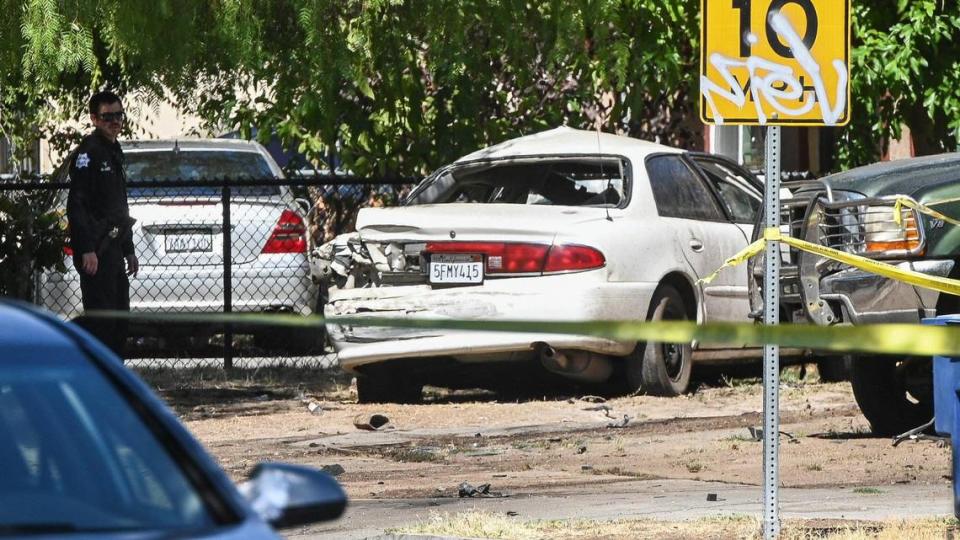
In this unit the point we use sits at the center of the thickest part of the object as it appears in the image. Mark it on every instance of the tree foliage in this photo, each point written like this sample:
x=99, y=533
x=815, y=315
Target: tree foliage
x=397, y=87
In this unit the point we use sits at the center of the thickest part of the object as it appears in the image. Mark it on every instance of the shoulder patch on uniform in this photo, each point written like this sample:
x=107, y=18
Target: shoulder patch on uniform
x=82, y=160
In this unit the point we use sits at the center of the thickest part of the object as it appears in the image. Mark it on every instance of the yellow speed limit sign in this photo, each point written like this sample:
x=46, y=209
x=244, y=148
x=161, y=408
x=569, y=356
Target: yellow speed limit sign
x=775, y=62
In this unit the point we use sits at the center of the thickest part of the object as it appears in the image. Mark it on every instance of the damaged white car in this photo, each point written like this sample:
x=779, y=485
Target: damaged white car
x=561, y=225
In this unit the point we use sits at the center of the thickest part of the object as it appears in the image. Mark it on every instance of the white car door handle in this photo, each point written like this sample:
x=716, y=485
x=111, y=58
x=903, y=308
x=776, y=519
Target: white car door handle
x=696, y=245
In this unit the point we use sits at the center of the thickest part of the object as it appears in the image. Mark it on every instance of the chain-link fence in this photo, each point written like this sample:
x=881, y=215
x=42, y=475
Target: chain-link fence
x=204, y=246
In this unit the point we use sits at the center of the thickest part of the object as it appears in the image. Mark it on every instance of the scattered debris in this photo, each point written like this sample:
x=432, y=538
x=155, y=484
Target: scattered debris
x=333, y=470
x=597, y=408
x=711, y=497
x=317, y=407
x=586, y=467
x=582, y=450
x=262, y=397
x=593, y=399
x=917, y=434
x=511, y=513
x=372, y=422
x=621, y=423
x=756, y=434
x=555, y=439
x=482, y=453
x=483, y=490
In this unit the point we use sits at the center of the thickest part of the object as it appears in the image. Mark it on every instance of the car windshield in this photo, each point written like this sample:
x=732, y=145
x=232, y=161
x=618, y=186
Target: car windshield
x=543, y=181
x=197, y=165
x=76, y=456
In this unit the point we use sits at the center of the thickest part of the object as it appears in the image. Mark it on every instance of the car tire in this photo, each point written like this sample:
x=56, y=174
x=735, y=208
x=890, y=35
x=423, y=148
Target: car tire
x=293, y=340
x=881, y=389
x=834, y=368
x=388, y=388
x=661, y=369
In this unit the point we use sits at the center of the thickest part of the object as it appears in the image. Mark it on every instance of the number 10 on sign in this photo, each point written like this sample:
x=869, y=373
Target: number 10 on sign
x=775, y=62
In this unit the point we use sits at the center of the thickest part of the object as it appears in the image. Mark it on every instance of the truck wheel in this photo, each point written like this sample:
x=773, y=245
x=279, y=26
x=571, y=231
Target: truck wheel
x=894, y=394
x=834, y=368
x=387, y=388
x=661, y=369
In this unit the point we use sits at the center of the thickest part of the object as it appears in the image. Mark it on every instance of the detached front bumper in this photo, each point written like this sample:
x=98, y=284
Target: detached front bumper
x=571, y=297
x=859, y=297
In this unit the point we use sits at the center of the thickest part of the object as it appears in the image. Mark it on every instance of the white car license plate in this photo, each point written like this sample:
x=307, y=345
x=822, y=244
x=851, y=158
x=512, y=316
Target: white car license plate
x=188, y=243
x=456, y=269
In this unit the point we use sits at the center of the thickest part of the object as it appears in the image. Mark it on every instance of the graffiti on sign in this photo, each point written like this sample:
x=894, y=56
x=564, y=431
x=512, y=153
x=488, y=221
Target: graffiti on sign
x=788, y=73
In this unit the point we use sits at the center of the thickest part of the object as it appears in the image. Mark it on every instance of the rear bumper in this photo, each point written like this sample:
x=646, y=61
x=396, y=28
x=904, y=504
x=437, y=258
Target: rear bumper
x=255, y=288
x=571, y=297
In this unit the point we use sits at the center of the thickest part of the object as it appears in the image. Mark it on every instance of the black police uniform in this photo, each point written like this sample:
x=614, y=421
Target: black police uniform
x=100, y=222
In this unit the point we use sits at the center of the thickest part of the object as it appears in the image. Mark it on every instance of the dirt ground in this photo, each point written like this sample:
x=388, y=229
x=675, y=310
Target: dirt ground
x=532, y=443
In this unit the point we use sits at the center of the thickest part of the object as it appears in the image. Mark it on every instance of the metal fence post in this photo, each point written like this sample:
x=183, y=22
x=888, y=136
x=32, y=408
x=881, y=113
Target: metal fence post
x=227, y=277
x=771, y=353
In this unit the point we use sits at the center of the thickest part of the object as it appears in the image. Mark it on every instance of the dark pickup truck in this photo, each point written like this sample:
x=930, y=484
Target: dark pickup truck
x=853, y=211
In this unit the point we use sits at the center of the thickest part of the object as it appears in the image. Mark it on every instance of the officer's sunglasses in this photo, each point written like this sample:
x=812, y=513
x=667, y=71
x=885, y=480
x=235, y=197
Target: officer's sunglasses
x=112, y=116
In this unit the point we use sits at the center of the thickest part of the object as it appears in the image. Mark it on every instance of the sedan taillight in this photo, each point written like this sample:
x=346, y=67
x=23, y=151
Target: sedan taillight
x=288, y=235
x=525, y=258
x=567, y=258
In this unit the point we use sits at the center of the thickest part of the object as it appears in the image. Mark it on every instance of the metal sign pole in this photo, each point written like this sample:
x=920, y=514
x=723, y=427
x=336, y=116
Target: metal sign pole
x=771, y=353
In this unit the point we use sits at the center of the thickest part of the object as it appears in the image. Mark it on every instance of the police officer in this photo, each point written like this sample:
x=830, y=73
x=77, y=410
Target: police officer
x=100, y=223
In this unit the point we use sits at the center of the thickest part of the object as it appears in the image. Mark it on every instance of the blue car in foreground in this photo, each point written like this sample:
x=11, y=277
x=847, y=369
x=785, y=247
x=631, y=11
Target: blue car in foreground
x=88, y=451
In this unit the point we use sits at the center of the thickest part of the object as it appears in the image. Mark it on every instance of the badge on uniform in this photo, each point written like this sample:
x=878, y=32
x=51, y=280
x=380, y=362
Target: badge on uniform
x=82, y=161
x=105, y=167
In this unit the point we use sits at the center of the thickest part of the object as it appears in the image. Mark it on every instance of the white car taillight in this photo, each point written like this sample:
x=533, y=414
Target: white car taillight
x=568, y=258
x=288, y=235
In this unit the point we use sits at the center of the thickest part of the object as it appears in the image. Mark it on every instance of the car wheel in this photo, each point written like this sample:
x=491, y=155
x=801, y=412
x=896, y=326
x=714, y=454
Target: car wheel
x=306, y=340
x=834, y=368
x=661, y=369
x=383, y=387
x=894, y=394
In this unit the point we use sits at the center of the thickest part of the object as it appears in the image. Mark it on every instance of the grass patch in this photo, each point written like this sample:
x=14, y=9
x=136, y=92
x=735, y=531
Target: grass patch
x=617, y=471
x=868, y=491
x=416, y=454
x=814, y=467
x=735, y=382
x=500, y=526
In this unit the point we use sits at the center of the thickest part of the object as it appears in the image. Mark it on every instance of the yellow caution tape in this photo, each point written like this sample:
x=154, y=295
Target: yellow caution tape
x=919, y=279
x=741, y=257
x=907, y=339
x=922, y=208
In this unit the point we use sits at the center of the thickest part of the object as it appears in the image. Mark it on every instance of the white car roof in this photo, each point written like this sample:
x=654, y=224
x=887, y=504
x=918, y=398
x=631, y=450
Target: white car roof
x=237, y=145
x=566, y=140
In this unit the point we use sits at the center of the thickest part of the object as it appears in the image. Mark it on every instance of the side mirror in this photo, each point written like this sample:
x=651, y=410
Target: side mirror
x=287, y=495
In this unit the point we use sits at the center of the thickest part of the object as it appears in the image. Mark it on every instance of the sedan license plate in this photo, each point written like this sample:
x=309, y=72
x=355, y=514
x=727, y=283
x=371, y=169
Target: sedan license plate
x=188, y=243
x=456, y=269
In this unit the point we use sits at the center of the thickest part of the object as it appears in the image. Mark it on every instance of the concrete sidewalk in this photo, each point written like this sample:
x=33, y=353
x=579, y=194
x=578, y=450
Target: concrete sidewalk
x=646, y=499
